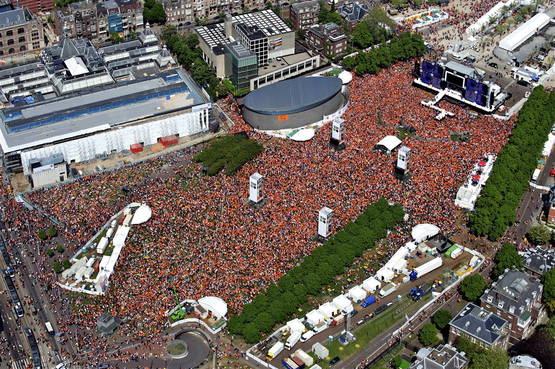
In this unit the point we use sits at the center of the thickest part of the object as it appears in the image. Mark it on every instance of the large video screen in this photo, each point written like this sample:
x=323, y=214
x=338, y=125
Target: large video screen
x=454, y=79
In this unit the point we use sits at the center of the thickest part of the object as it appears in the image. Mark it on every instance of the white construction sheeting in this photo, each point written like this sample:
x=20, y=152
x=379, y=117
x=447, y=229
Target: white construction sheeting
x=516, y=38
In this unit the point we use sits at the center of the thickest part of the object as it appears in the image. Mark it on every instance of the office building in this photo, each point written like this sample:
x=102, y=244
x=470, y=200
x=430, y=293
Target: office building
x=304, y=14
x=84, y=103
x=242, y=65
x=20, y=31
x=516, y=297
x=480, y=326
x=328, y=38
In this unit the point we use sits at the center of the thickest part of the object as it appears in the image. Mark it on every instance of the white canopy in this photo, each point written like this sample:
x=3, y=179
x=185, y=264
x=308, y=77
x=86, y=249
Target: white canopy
x=389, y=142
x=216, y=305
x=422, y=232
x=303, y=135
x=142, y=214
x=296, y=325
x=385, y=274
x=357, y=293
x=516, y=38
x=345, y=77
x=371, y=284
x=328, y=309
x=342, y=302
x=314, y=317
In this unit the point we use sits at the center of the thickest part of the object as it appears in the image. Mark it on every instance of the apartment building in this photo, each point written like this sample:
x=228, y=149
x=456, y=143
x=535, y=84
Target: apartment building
x=20, y=31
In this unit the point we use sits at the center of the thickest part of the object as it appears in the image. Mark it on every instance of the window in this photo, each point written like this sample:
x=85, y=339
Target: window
x=20, y=31
x=21, y=39
x=9, y=33
x=11, y=51
x=22, y=48
x=36, y=45
x=10, y=42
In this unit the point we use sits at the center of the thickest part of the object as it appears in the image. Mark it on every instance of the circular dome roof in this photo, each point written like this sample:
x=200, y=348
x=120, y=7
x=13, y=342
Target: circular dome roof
x=142, y=214
x=345, y=77
x=293, y=95
x=216, y=305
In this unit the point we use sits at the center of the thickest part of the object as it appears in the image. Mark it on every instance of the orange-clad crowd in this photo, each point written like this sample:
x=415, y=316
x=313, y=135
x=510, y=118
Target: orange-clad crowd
x=204, y=238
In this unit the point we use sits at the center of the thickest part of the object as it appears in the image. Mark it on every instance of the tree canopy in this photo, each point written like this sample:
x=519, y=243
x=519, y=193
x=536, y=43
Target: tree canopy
x=441, y=318
x=154, y=12
x=327, y=16
x=428, y=335
x=403, y=47
x=315, y=271
x=376, y=28
x=482, y=358
x=506, y=258
x=548, y=281
x=472, y=287
x=495, y=209
x=539, y=235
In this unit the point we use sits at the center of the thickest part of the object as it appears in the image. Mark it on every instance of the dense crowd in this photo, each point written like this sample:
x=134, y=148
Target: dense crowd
x=204, y=239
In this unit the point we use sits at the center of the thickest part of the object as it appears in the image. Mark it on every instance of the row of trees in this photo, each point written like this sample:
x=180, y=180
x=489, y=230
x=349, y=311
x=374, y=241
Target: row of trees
x=229, y=152
x=48, y=233
x=495, y=209
x=153, y=12
x=403, y=47
x=316, y=271
x=189, y=55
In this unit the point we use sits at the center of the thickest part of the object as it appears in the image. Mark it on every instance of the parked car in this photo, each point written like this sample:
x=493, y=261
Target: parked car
x=334, y=361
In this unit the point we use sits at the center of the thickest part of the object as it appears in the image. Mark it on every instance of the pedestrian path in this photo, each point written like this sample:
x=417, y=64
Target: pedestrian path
x=21, y=364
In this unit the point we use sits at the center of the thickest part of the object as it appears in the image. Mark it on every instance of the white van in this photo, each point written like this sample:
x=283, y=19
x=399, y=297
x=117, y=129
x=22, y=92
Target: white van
x=307, y=335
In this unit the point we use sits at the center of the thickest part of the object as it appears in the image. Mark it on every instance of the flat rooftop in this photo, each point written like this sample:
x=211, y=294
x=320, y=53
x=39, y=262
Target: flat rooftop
x=98, y=109
x=275, y=64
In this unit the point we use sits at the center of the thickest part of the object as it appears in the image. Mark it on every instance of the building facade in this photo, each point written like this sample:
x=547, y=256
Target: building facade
x=480, y=326
x=242, y=65
x=515, y=297
x=20, y=32
x=353, y=12
x=328, y=38
x=92, y=20
x=35, y=5
x=304, y=14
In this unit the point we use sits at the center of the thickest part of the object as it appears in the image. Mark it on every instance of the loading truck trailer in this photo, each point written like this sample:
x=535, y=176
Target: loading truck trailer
x=388, y=289
x=304, y=357
x=292, y=340
x=426, y=268
x=275, y=350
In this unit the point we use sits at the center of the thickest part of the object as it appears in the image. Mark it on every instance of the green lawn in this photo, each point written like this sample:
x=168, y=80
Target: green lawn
x=371, y=329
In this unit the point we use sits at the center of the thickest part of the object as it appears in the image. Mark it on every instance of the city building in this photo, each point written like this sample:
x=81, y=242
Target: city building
x=92, y=20
x=537, y=260
x=35, y=5
x=352, y=12
x=480, y=326
x=285, y=67
x=21, y=31
x=328, y=38
x=48, y=171
x=516, y=297
x=242, y=65
x=304, y=14
x=440, y=357
x=85, y=103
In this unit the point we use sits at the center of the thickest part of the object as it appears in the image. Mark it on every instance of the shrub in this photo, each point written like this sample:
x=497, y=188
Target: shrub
x=51, y=232
x=42, y=235
x=57, y=266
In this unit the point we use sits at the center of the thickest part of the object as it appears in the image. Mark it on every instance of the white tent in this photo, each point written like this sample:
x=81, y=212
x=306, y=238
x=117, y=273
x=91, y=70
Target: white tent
x=371, y=284
x=296, y=325
x=516, y=38
x=142, y=214
x=385, y=274
x=328, y=310
x=357, y=293
x=389, y=142
x=216, y=305
x=345, y=77
x=320, y=350
x=342, y=303
x=422, y=232
x=411, y=246
x=314, y=318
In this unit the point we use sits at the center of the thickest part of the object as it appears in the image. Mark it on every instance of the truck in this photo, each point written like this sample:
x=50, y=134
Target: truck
x=49, y=328
x=368, y=301
x=536, y=175
x=291, y=364
x=304, y=357
x=275, y=350
x=426, y=268
x=292, y=340
x=388, y=289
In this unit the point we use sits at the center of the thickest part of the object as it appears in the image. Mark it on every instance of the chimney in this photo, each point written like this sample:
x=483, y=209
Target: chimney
x=228, y=26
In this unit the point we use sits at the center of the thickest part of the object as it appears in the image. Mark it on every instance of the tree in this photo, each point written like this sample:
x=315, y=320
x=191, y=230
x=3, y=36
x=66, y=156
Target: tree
x=548, y=280
x=60, y=249
x=472, y=287
x=154, y=12
x=50, y=253
x=116, y=38
x=66, y=264
x=490, y=359
x=327, y=16
x=506, y=258
x=51, y=232
x=441, y=318
x=58, y=268
x=539, y=235
x=42, y=235
x=251, y=333
x=428, y=335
